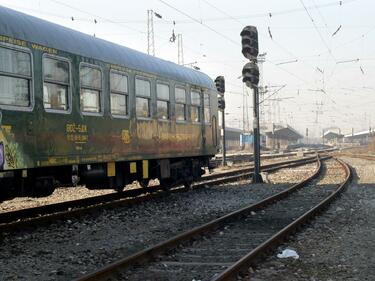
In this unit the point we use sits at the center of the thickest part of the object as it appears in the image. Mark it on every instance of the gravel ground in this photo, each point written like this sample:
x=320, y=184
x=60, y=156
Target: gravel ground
x=339, y=245
x=79, y=192
x=68, y=249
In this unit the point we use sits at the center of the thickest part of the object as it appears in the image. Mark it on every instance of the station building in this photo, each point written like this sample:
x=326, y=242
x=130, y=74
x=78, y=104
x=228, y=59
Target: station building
x=332, y=138
x=280, y=137
x=359, y=138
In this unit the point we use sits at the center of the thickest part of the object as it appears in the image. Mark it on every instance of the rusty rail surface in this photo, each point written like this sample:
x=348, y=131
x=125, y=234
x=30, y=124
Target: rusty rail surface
x=51, y=212
x=153, y=251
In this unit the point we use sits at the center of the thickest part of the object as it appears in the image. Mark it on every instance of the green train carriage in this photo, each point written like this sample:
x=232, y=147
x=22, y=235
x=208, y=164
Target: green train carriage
x=74, y=108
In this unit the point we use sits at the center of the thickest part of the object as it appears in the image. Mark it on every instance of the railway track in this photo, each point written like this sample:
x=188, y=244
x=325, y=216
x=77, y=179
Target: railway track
x=361, y=156
x=51, y=212
x=240, y=158
x=226, y=247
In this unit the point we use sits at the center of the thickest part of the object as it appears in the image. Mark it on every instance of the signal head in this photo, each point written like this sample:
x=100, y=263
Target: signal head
x=220, y=84
x=249, y=42
x=250, y=74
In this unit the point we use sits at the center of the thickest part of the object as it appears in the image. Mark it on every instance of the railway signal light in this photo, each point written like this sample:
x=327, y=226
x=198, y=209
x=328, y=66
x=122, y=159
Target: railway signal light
x=249, y=42
x=220, y=84
x=250, y=74
x=221, y=103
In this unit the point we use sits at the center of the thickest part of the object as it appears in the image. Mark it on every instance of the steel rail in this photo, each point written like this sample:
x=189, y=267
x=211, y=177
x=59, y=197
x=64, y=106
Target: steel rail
x=239, y=158
x=23, y=217
x=242, y=266
x=360, y=156
x=151, y=252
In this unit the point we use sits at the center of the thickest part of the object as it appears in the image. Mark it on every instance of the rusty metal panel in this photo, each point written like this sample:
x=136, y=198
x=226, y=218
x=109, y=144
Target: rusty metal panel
x=145, y=169
x=111, y=169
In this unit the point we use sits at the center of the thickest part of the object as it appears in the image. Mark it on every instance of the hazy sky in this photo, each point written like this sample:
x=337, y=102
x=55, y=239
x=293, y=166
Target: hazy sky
x=329, y=46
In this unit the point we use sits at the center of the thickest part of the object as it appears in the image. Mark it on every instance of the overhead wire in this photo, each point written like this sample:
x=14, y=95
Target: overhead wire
x=199, y=22
x=278, y=44
x=116, y=23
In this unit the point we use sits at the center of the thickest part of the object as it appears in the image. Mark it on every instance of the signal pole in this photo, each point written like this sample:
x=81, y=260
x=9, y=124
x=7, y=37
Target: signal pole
x=220, y=86
x=257, y=178
x=250, y=76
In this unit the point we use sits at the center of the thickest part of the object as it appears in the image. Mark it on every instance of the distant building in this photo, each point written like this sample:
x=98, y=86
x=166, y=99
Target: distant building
x=232, y=138
x=235, y=139
x=332, y=138
x=280, y=137
x=359, y=137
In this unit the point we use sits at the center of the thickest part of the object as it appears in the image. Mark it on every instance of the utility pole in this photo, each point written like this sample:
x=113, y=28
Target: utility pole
x=180, y=50
x=307, y=135
x=150, y=33
x=250, y=76
x=224, y=159
x=262, y=91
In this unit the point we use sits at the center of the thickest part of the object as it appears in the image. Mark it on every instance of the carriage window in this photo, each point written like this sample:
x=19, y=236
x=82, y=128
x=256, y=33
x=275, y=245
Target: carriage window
x=162, y=92
x=180, y=106
x=196, y=105
x=56, y=83
x=91, y=89
x=143, y=96
x=119, y=93
x=15, y=77
x=207, y=109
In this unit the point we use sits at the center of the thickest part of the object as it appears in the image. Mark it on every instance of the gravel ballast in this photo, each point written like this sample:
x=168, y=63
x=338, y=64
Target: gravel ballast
x=68, y=249
x=63, y=194
x=339, y=244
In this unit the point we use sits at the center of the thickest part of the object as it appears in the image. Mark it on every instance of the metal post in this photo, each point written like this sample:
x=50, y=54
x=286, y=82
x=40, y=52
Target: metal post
x=224, y=160
x=257, y=178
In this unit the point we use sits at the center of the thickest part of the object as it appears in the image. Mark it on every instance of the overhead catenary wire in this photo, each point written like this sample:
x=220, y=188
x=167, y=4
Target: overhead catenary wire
x=199, y=22
x=317, y=30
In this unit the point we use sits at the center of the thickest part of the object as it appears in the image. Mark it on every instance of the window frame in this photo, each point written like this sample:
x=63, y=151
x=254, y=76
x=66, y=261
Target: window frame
x=101, y=92
x=169, y=101
x=144, y=78
x=127, y=116
x=200, y=106
x=69, y=93
x=207, y=122
x=31, y=79
x=185, y=104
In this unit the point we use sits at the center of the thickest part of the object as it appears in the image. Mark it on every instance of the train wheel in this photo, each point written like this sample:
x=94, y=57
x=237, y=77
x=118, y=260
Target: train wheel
x=119, y=188
x=166, y=184
x=143, y=183
x=8, y=189
x=188, y=185
x=43, y=186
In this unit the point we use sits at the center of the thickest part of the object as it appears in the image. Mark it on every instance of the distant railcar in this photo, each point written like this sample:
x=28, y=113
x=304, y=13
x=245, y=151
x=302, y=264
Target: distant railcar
x=75, y=108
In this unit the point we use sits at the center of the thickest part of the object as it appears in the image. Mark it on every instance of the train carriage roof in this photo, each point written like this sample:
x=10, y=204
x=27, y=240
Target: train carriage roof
x=21, y=26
